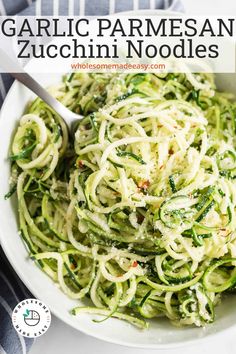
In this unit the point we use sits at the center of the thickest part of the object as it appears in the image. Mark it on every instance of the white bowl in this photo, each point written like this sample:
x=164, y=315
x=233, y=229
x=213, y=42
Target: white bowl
x=161, y=333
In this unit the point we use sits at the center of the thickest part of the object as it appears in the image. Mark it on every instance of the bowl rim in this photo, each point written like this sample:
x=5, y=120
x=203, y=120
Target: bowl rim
x=23, y=277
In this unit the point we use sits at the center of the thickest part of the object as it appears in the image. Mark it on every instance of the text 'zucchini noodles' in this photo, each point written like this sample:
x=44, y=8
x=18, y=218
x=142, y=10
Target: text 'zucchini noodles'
x=135, y=214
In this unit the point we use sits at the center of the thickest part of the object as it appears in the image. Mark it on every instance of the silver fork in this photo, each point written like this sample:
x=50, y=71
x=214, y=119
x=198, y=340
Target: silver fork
x=16, y=71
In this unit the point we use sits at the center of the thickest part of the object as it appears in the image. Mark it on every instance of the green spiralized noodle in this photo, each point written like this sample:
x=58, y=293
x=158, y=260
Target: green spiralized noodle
x=138, y=212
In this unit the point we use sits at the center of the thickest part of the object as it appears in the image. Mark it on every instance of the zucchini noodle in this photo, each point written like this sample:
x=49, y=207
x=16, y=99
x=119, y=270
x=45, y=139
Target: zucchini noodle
x=135, y=214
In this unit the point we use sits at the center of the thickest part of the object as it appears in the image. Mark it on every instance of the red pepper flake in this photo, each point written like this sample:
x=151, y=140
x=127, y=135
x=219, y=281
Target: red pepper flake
x=144, y=184
x=161, y=167
x=72, y=266
x=135, y=264
x=171, y=151
x=80, y=164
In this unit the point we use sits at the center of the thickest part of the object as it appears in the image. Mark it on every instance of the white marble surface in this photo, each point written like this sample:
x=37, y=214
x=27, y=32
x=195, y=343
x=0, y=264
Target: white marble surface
x=61, y=339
